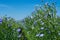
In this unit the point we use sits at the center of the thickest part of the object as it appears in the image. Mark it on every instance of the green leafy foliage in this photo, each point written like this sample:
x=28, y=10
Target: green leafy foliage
x=43, y=24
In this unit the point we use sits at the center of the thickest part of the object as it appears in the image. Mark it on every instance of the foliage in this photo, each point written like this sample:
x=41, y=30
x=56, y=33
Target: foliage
x=44, y=24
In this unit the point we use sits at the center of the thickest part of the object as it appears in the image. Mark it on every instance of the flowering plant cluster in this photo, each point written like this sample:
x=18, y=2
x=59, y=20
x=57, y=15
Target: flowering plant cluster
x=42, y=25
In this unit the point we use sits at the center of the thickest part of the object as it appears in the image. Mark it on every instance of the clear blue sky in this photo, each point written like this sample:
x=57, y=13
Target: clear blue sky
x=19, y=9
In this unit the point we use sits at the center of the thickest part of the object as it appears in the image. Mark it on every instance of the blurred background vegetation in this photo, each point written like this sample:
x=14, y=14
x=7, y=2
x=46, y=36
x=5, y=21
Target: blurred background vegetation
x=43, y=24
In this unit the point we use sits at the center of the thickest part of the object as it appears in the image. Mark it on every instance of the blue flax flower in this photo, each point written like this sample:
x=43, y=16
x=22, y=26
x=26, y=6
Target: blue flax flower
x=0, y=20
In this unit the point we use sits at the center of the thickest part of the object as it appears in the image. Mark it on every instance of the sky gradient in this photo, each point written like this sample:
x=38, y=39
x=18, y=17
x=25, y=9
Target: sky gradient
x=19, y=9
